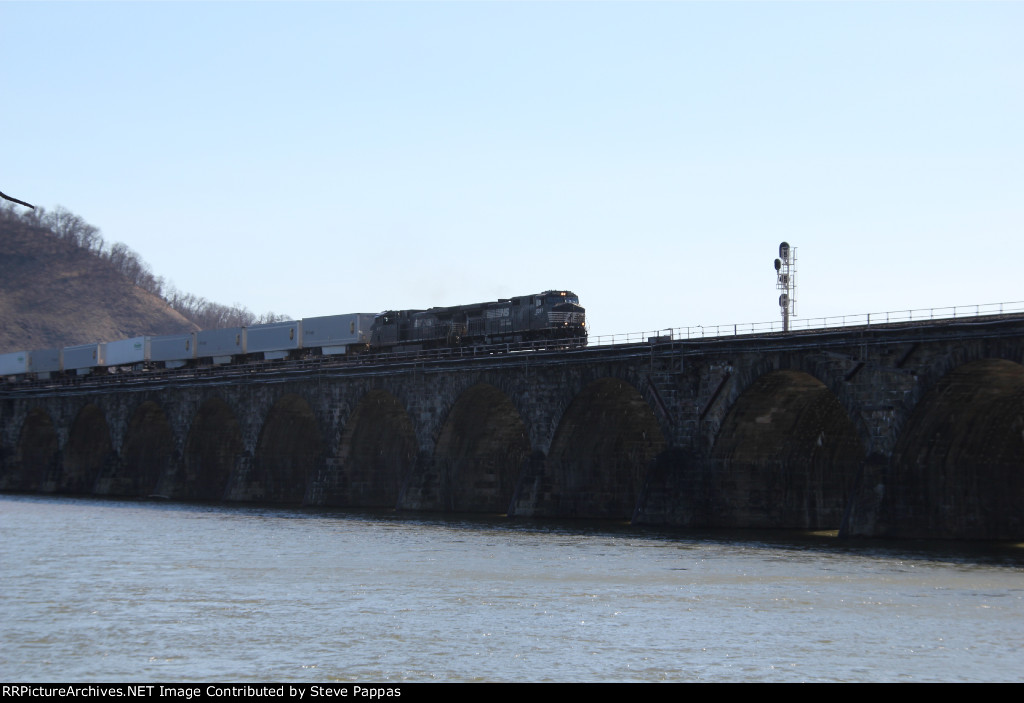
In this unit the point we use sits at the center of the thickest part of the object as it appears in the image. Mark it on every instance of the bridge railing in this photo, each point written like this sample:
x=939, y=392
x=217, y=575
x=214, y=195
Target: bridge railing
x=671, y=334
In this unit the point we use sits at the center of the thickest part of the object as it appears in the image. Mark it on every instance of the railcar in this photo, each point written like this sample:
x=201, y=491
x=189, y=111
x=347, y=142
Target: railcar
x=43, y=362
x=336, y=334
x=172, y=350
x=274, y=340
x=127, y=352
x=220, y=346
x=14, y=363
x=30, y=364
x=82, y=358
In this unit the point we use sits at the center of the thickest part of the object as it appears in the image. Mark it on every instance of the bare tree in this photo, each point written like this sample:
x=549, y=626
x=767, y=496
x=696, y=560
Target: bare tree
x=72, y=228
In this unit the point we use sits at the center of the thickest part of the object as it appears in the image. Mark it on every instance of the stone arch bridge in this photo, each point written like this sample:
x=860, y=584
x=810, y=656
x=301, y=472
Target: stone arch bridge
x=888, y=430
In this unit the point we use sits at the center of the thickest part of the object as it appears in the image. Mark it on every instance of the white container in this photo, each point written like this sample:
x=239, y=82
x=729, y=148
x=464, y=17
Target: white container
x=14, y=363
x=273, y=337
x=333, y=333
x=81, y=357
x=126, y=352
x=173, y=347
x=219, y=344
x=44, y=361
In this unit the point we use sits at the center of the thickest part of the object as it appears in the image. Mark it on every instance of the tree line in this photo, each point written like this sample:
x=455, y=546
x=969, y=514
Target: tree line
x=71, y=228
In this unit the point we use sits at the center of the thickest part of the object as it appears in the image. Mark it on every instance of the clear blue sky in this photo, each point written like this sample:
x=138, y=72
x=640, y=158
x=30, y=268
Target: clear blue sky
x=333, y=157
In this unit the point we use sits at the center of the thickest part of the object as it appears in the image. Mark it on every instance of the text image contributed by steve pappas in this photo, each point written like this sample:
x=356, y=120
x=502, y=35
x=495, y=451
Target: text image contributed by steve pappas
x=206, y=691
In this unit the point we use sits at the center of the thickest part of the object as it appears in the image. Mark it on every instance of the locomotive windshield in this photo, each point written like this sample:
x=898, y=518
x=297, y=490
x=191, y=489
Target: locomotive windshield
x=556, y=297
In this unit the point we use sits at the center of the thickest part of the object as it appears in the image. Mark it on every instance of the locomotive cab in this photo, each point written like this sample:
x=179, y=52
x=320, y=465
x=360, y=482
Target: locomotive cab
x=392, y=327
x=384, y=331
x=560, y=313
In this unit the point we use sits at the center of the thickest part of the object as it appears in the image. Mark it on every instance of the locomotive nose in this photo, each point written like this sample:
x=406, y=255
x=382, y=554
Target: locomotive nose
x=567, y=315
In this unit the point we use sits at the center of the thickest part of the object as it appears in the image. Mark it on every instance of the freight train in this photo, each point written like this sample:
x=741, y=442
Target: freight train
x=550, y=319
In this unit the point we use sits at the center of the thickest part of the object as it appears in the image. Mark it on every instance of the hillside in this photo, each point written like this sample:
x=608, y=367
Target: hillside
x=55, y=294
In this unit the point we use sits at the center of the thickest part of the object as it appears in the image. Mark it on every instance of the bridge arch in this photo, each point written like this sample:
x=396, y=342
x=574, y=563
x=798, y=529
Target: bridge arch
x=147, y=452
x=958, y=465
x=787, y=454
x=212, y=449
x=36, y=458
x=818, y=367
x=480, y=450
x=604, y=445
x=88, y=452
x=290, y=450
x=376, y=453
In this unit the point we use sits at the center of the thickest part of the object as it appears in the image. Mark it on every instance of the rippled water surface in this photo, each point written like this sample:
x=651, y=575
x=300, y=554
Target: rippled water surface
x=101, y=590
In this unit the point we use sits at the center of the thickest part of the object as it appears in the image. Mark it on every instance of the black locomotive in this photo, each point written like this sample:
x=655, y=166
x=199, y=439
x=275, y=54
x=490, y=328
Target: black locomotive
x=551, y=316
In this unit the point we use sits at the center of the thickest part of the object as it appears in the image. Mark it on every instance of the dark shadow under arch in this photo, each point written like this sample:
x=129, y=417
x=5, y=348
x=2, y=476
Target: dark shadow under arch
x=211, y=451
x=377, y=452
x=290, y=450
x=603, y=448
x=35, y=461
x=88, y=452
x=958, y=467
x=147, y=452
x=787, y=455
x=480, y=451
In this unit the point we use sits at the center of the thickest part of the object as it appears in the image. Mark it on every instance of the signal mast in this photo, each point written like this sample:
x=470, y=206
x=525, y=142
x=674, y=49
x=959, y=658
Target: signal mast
x=785, y=269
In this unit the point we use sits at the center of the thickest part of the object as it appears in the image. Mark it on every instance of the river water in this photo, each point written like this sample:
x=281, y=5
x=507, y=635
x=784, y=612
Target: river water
x=99, y=590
